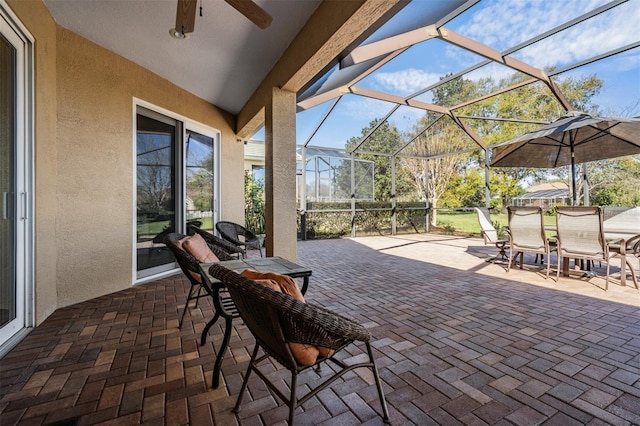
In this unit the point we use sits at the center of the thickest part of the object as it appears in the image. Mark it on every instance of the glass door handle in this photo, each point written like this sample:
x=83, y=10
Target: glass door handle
x=23, y=199
x=5, y=205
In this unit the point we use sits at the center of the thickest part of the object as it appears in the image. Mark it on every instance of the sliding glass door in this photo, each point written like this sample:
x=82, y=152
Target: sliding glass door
x=157, y=211
x=14, y=197
x=175, y=179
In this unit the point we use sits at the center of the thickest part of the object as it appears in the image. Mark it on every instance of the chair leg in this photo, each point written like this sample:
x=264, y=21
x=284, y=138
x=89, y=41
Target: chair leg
x=548, y=264
x=238, y=405
x=198, y=296
x=186, y=305
x=292, y=398
x=606, y=280
x=376, y=376
x=633, y=274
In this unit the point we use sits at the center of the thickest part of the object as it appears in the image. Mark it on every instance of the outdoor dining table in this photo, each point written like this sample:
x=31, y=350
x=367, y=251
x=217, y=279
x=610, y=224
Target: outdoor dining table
x=226, y=308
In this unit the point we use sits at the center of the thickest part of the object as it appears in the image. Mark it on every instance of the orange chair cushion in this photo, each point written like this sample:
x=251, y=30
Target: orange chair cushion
x=197, y=247
x=304, y=354
x=287, y=284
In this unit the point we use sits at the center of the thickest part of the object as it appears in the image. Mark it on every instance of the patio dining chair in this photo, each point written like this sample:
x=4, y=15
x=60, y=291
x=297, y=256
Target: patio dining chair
x=527, y=235
x=239, y=236
x=630, y=249
x=490, y=234
x=623, y=223
x=278, y=321
x=581, y=236
x=190, y=267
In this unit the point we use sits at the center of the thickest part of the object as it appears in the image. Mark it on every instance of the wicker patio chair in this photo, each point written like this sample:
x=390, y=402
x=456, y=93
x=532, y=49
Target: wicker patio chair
x=231, y=249
x=190, y=268
x=526, y=234
x=239, y=235
x=489, y=233
x=581, y=236
x=276, y=319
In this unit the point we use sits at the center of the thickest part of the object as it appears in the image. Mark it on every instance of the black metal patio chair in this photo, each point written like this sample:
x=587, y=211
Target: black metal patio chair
x=190, y=267
x=231, y=249
x=276, y=320
x=239, y=235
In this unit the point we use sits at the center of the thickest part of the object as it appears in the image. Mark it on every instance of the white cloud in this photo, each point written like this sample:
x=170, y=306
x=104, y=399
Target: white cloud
x=365, y=109
x=404, y=82
x=405, y=118
x=504, y=24
x=493, y=70
x=600, y=34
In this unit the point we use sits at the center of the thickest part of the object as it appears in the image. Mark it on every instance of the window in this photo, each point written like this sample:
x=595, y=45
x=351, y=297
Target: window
x=258, y=174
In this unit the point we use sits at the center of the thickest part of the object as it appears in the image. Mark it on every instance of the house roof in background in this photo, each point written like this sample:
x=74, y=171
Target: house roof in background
x=548, y=194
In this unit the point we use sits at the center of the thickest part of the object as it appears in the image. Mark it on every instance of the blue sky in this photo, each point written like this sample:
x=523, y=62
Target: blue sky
x=500, y=24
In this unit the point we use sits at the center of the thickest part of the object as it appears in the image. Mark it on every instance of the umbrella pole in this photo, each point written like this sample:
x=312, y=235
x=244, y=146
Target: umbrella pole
x=585, y=185
x=574, y=195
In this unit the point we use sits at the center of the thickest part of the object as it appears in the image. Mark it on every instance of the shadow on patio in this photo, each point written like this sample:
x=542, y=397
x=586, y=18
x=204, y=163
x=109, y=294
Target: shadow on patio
x=457, y=340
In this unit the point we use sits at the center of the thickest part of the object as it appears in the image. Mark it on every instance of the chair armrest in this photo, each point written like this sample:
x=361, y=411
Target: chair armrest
x=634, y=244
x=617, y=245
x=314, y=325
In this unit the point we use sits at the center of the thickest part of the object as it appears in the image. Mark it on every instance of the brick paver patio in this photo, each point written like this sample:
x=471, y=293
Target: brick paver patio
x=457, y=340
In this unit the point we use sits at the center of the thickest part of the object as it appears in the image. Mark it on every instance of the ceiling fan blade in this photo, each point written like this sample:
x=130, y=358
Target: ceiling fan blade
x=252, y=11
x=186, y=16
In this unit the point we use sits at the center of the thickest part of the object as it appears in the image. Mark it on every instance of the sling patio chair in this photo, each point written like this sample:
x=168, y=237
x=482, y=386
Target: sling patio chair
x=490, y=234
x=622, y=229
x=239, y=235
x=526, y=234
x=581, y=236
x=282, y=325
x=190, y=267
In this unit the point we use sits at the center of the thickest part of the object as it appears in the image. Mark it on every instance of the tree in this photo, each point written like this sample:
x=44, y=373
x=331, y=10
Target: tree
x=200, y=188
x=615, y=182
x=154, y=184
x=465, y=189
x=533, y=102
x=441, y=144
x=386, y=139
x=254, y=205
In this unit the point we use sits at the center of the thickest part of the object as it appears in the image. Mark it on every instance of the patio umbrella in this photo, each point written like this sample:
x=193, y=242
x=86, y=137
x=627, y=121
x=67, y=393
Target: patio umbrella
x=574, y=138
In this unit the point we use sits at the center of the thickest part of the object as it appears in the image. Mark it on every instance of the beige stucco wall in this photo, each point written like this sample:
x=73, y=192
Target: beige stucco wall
x=84, y=160
x=95, y=149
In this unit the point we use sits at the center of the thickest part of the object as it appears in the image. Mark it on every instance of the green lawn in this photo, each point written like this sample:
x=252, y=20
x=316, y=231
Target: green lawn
x=466, y=222
x=154, y=228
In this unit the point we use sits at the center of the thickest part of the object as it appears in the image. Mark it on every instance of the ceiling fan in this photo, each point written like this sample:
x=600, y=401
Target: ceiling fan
x=186, y=15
